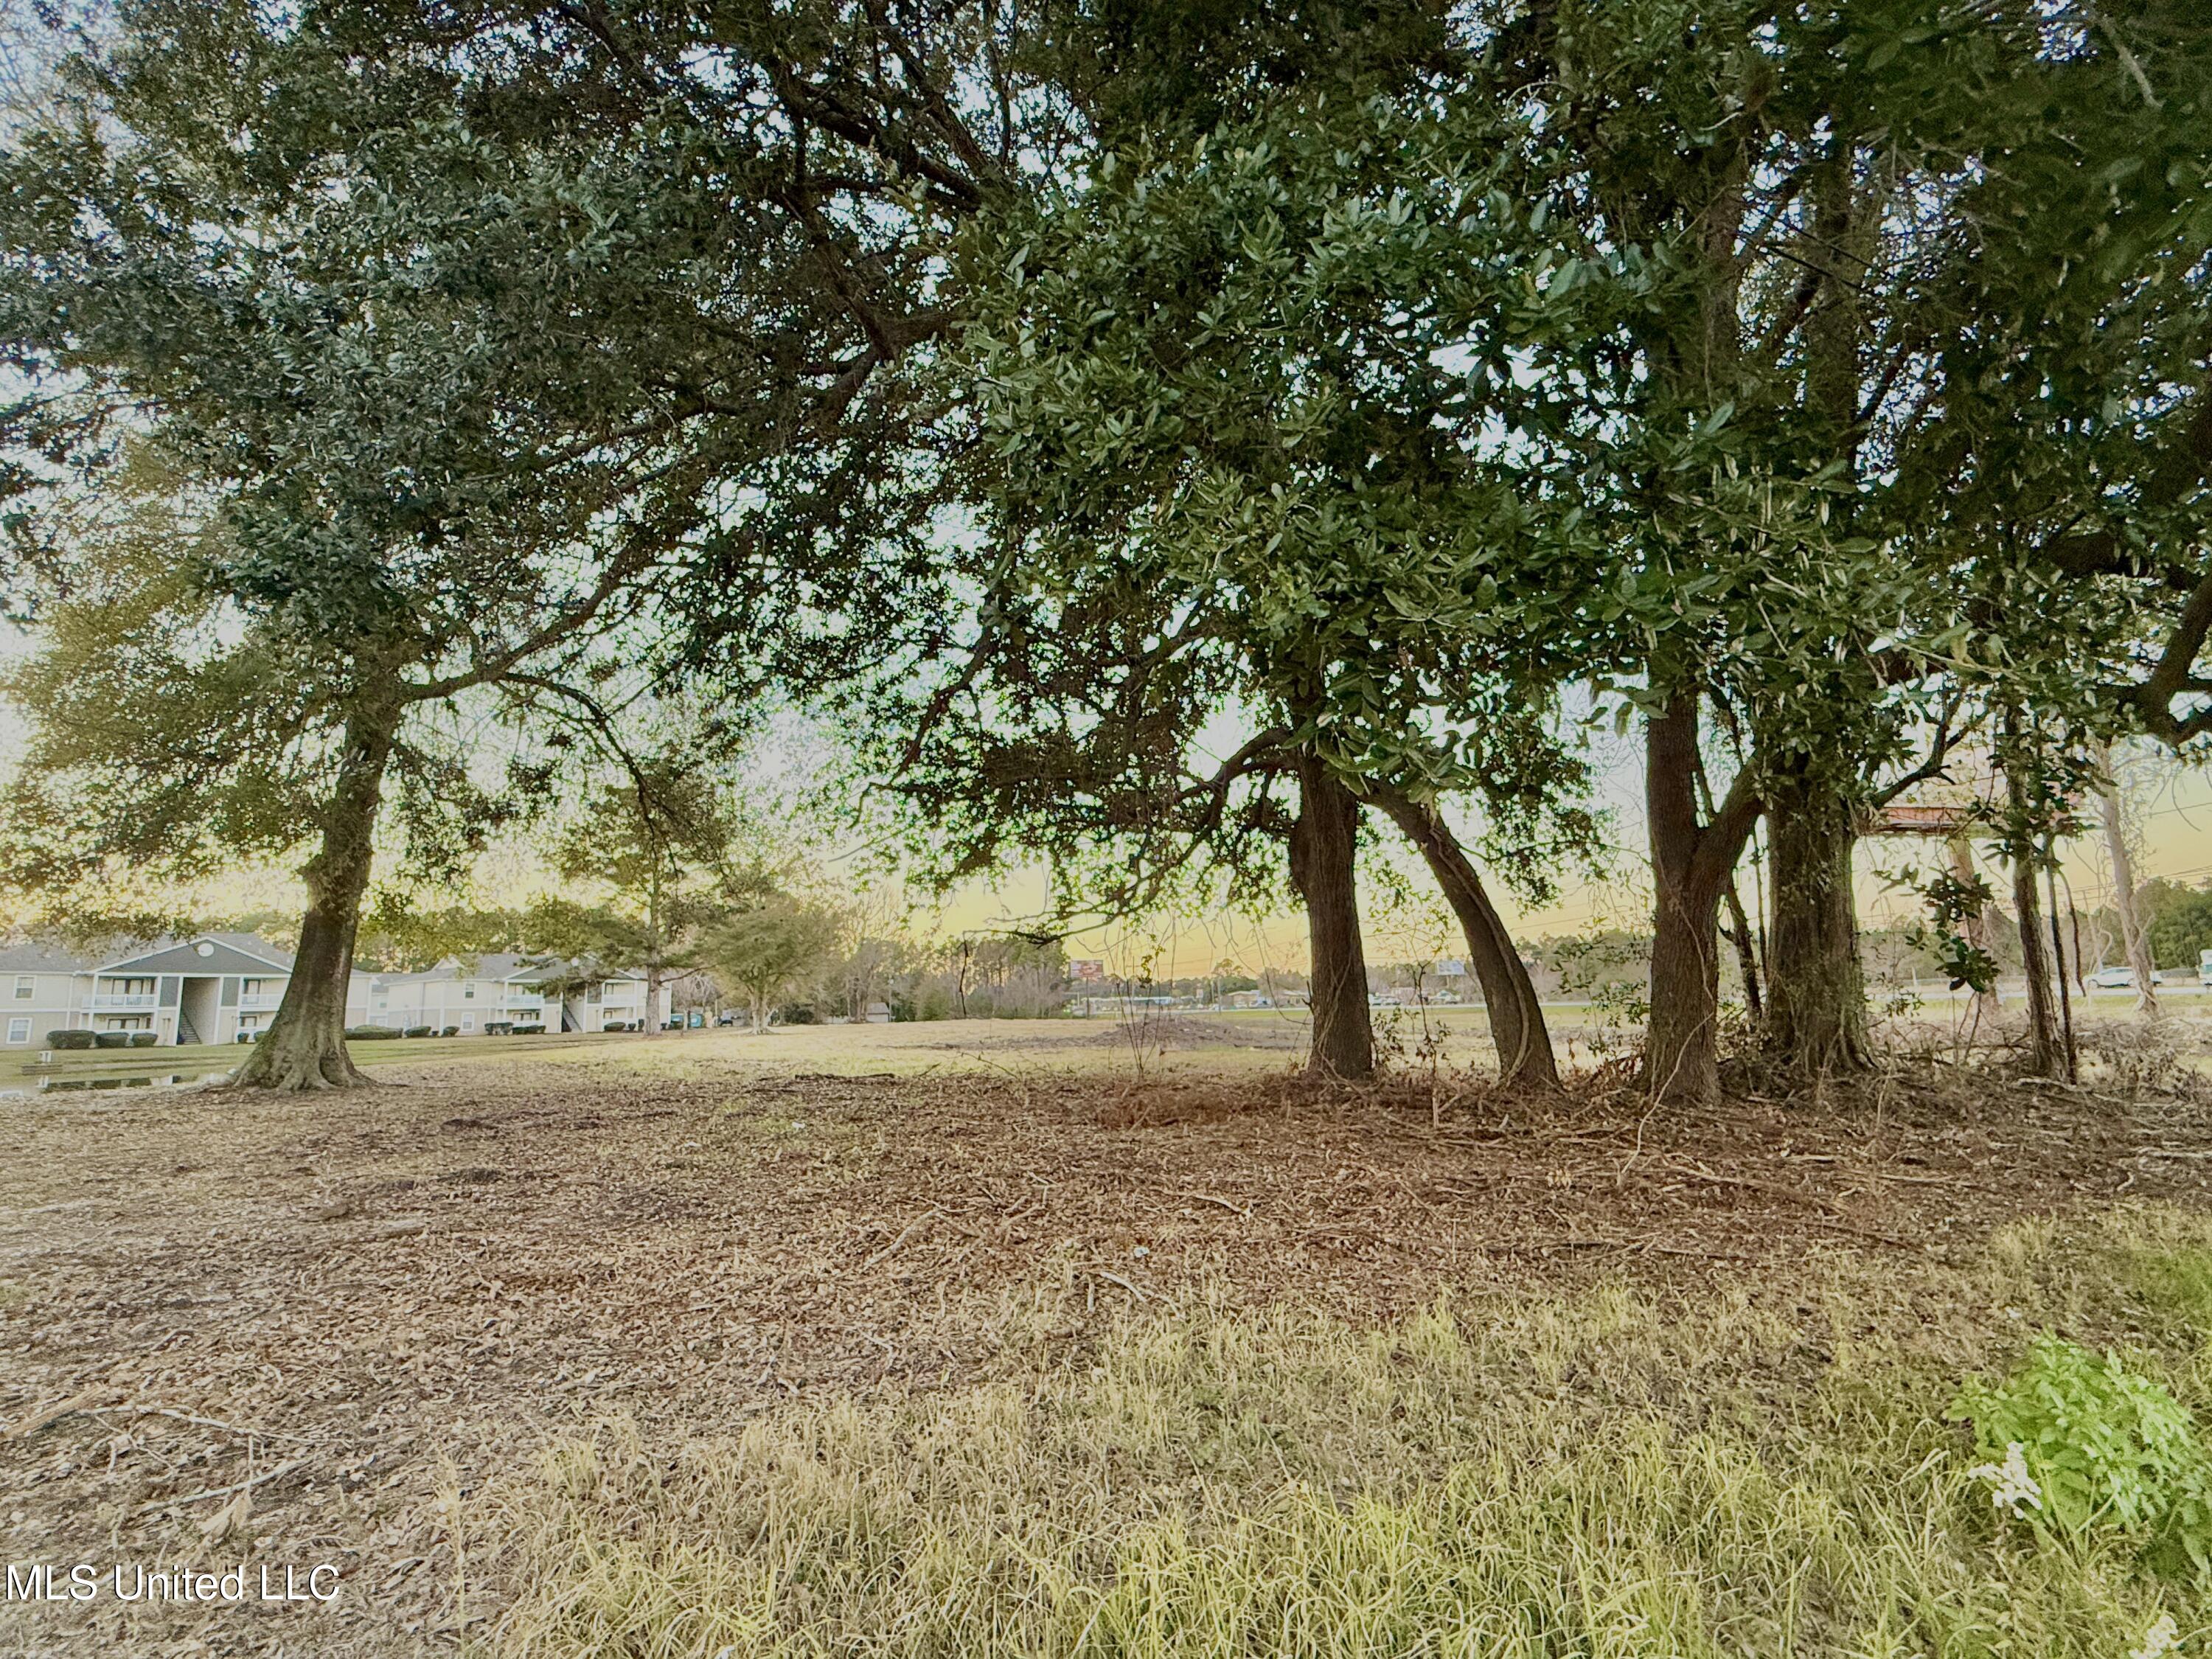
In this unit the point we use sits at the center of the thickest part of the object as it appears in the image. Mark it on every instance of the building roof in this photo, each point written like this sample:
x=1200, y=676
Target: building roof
x=202, y=953
x=31, y=955
x=233, y=953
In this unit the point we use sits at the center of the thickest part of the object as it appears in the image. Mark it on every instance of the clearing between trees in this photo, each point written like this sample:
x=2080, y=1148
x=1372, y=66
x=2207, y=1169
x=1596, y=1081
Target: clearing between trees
x=991, y=1339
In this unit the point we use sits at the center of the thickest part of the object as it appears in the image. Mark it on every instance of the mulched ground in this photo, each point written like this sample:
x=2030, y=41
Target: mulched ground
x=358, y=1302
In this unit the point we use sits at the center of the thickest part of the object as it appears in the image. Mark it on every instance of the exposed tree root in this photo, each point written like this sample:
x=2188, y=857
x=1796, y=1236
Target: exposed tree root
x=301, y=1073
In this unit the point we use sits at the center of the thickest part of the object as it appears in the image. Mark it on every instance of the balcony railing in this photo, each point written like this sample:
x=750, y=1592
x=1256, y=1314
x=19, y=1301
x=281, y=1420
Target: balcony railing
x=261, y=1002
x=113, y=1002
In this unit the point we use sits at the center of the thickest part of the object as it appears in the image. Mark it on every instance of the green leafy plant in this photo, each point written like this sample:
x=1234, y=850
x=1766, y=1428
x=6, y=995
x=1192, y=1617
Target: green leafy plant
x=1952, y=904
x=2077, y=1445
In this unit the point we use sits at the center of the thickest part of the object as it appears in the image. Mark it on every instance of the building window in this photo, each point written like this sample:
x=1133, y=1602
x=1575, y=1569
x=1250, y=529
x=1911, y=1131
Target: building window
x=468, y=1022
x=469, y=991
x=25, y=988
x=19, y=1028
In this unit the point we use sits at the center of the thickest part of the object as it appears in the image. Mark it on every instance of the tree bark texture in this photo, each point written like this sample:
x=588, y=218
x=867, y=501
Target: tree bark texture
x=2044, y=1049
x=1816, y=984
x=1690, y=863
x=1323, y=867
x=305, y=1046
x=1516, y=1016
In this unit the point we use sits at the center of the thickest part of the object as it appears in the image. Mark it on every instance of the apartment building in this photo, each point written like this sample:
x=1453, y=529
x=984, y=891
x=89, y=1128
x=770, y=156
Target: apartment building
x=211, y=988
x=226, y=987
x=469, y=995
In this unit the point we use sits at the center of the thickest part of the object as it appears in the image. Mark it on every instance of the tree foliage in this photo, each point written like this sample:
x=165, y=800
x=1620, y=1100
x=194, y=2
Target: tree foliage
x=763, y=952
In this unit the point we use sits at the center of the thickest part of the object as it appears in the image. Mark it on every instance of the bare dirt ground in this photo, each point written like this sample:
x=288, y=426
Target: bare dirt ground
x=286, y=1332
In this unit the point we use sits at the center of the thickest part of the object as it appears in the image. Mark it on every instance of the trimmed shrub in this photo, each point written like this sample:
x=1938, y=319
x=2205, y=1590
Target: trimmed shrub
x=143, y=1039
x=420, y=1032
x=529, y=1030
x=69, y=1039
x=110, y=1039
x=451, y=1030
x=371, y=1033
x=498, y=1027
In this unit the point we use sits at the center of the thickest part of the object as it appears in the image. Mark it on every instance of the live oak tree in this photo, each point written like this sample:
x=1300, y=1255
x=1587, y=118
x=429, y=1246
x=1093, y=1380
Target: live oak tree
x=1416, y=409
x=377, y=364
x=1786, y=304
x=1232, y=465
x=471, y=334
x=2054, y=354
x=2076, y=372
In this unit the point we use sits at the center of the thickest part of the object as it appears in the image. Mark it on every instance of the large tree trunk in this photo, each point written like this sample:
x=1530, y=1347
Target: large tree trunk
x=1517, y=1017
x=1682, y=1049
x=1323, y=867
x=1690, y=862
x=305, y=1046
x=2133, y=940
x=1816, y=985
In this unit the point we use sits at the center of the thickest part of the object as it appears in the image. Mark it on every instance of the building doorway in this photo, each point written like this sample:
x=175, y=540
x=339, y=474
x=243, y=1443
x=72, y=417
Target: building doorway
x=198, y=1008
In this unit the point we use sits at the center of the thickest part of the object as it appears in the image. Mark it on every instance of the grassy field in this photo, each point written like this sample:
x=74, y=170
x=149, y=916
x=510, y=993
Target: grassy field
x=834, y=1045
x=1068, y=1338
x=1586, y=1031
x=1612, y=1473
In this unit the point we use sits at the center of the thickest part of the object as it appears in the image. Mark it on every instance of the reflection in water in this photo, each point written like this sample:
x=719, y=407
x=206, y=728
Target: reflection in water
x=51, y=1085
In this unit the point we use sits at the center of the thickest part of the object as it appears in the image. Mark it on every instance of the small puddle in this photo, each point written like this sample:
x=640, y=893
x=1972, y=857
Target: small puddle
x=173, y=1079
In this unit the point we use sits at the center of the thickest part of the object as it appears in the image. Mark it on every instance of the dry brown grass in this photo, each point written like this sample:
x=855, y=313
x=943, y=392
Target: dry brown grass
x=412, y=1290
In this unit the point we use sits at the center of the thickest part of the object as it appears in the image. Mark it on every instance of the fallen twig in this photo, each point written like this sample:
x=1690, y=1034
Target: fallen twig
x=140, y=1409
x=1837, y=1217
x=246, y=1485
x=1116, y=1278
x=1242, y=1212
x=904, y=1238
x=1575, y=1242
